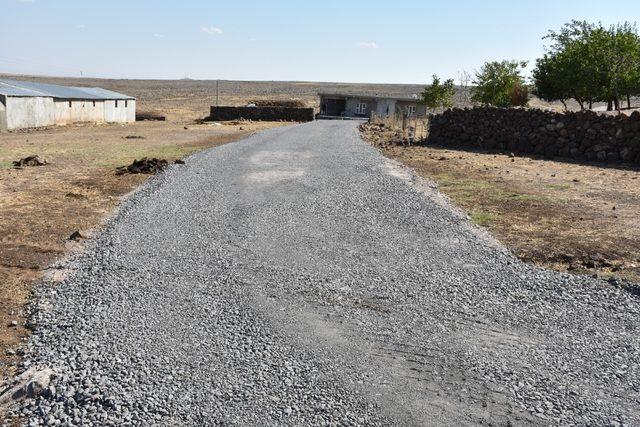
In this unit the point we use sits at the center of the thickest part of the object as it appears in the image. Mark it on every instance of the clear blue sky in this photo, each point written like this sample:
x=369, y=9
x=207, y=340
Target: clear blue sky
x=349, y=40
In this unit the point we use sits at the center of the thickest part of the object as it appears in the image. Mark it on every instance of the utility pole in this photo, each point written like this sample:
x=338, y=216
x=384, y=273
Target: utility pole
x=217, y=93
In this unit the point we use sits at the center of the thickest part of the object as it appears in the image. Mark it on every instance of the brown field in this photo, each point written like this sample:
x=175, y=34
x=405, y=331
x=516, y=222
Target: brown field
x=564, y=216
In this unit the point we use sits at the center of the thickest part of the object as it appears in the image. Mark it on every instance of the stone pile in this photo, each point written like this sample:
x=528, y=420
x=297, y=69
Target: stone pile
x=583, y=136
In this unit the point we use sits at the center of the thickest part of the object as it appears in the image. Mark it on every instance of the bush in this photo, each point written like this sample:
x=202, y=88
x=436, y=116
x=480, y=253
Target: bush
x=497, y=82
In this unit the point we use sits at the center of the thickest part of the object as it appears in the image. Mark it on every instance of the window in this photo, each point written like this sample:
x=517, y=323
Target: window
x=126, y=103
x=411, y=110
x=94, y=103
x=116, y=103
x=361, y=108
x=69, y=104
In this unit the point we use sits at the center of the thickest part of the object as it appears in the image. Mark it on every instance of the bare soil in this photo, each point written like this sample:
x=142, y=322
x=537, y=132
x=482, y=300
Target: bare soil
x=564, y=216
x=78, y=187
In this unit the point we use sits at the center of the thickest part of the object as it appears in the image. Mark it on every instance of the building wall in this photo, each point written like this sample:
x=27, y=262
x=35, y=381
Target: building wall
x=3, y=114
x=353, y=102
x=380, y=106
x=125, y=112
x=75, y=111
x=29, y=112
x=421, y=109
x=32, y=112
x=385, y=107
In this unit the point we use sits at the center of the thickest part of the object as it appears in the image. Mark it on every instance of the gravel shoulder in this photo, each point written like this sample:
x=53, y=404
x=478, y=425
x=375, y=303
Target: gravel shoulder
x=297, y=277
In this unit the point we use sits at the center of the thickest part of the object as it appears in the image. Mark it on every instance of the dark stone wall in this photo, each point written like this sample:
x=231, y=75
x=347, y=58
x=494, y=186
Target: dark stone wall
x=583, y=136
x=271, y=114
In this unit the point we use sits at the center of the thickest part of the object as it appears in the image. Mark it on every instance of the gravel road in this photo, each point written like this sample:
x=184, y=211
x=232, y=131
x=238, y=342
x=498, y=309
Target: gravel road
x=297, y=277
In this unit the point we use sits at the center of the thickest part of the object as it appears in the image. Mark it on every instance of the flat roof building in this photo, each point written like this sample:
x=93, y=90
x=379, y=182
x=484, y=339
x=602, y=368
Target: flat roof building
x=31, y=105
x=351, y=105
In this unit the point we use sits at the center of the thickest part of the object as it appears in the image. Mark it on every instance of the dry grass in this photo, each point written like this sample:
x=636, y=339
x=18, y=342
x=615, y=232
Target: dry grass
x=550, y=213
x=42, y=206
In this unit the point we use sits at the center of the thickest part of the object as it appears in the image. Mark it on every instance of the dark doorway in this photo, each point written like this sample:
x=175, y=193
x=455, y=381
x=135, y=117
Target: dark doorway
x=333, y=107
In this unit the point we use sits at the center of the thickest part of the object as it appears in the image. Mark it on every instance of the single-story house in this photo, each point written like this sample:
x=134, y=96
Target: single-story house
x=363, y=106
x=30, y=105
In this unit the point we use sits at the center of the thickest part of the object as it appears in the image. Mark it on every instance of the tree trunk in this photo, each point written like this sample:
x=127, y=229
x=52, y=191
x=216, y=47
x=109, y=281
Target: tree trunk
x=609, y=105
x=591, y=104
x=616, y=102
x=564, y=103
x=628, y=101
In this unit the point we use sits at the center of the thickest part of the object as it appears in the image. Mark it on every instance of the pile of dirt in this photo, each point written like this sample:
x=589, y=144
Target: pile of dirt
x=29, y=161
x=144, y=165
x=290, y=103
x=149, y=116
x=381, y=135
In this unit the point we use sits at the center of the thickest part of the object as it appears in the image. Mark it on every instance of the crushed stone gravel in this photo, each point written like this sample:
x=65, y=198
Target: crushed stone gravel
x=297, y=277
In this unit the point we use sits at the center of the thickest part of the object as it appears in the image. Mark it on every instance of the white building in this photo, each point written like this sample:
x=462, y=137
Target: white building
x=30, y=105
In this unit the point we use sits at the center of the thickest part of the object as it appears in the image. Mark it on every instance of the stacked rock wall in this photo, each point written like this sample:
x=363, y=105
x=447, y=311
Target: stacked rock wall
x=289, y=114
x=583, y=136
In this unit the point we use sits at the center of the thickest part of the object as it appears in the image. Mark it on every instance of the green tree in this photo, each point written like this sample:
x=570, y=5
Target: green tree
x=549, y=80
x=588, y=62
x=499, y=83
x=439, y=95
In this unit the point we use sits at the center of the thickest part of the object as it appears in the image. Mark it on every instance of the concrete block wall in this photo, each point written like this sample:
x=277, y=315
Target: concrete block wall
x=32, y=112
x=29, y=112
x=583, y=136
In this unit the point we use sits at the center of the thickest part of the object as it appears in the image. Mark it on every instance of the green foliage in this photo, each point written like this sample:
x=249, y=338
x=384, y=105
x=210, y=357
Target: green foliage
x=439, y=95
x=588, y=63
x=499, y=83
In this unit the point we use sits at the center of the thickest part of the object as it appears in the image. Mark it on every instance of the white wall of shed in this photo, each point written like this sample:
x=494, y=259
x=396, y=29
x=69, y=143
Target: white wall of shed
x=125, y=112
x=75, y=111
x=29, y=112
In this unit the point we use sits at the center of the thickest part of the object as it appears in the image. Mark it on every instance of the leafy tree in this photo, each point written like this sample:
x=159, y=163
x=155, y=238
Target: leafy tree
x=438, y=95
x=588, y=62
x=549, y=80
x=497, y=83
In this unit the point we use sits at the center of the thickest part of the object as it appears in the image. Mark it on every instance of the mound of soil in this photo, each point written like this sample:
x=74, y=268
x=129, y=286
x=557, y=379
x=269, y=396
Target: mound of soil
x=149, y=115
x=144, y=165
x=29, y=161
x=380, y=135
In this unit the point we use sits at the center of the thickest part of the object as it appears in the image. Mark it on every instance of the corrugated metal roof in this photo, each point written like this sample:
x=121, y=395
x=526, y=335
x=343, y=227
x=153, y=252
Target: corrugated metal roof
x=32, y=89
